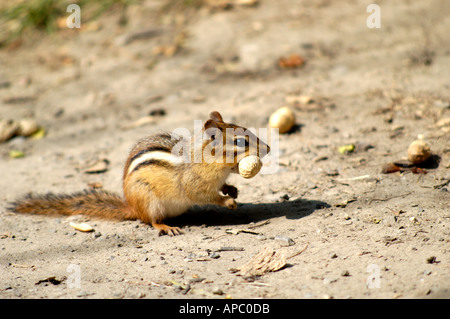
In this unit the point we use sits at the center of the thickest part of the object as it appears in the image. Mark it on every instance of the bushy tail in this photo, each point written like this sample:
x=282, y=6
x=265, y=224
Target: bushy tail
x=94, y=203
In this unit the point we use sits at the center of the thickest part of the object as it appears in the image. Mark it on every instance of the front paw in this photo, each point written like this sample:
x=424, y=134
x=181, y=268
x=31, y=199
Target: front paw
x=230, y=190
x=229, y=202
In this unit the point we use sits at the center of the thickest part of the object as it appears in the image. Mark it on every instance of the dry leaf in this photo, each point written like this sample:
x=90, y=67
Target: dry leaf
x=346, y=149
x=100, y=166
x=397, y=212
x=291, y=62
x=16, y=154
x=266, y=260
x=418, y=170
x=95, y=185
x=40, y=133
x=390, y=168
x=53, y=280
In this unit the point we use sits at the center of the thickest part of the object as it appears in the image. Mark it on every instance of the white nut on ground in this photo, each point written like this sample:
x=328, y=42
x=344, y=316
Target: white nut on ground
x=81, y=227
x=27, y=127
x=8, y=128
x=282, y=119
x=419, y=151
x=250, y=166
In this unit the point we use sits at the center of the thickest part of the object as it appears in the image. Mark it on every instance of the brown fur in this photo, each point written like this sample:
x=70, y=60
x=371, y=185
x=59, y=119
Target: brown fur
x=100, y=204
x=155, y=188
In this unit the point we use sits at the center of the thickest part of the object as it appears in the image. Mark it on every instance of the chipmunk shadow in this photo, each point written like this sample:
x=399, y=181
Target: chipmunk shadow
x=247, y=213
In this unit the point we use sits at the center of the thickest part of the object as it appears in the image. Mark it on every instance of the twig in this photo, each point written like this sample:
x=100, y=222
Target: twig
x=247, y=230
x=259, y=224
x=299, y=252
x=441, y=185
x=259, y=284
x=22, y=266
x=147, y=283
x=218, y=237
x=230, y=248
x=387, y=198
x=235, y=231
x=352, y=178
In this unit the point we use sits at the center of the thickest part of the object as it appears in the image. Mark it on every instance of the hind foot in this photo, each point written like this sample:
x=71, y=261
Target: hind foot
x=167, y=230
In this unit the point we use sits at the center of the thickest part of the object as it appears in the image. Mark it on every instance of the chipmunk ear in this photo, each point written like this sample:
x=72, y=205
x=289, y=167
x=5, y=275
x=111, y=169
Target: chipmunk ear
x=210, y=125
x=215, y=116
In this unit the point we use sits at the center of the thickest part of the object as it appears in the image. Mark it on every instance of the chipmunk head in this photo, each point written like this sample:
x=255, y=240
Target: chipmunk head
x=230, y=143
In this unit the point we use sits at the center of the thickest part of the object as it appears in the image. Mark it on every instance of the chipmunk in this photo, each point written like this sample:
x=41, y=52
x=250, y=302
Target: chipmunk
x=163, y=177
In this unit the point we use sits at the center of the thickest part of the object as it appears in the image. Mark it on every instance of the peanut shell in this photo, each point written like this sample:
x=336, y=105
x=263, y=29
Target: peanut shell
x=418, y=152
x=27, y=127
x=283, y=119
x=249, y=166
x=8, y=128
x=82, y=227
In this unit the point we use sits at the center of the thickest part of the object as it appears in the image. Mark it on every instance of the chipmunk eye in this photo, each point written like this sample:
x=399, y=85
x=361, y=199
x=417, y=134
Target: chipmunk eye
x=241, y=142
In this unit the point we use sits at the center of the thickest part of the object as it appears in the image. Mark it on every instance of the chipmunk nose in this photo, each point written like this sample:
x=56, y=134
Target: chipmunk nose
x=263, y=150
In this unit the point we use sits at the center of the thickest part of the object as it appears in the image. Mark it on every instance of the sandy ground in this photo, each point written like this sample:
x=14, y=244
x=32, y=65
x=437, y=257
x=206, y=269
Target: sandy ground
x=366, y=234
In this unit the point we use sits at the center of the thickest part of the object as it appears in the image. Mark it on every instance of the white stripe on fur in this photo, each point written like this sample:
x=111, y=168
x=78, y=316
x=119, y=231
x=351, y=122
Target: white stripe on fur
x=157, y=155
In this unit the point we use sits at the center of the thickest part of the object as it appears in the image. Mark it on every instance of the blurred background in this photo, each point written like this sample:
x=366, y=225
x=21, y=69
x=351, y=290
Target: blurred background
x=130, y=52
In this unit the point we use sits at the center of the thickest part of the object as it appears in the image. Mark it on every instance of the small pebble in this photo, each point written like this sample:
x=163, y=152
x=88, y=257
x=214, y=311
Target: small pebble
x=97, y=234
x=345, y=273
x=186, y=289
x=284, y=240
x=214, y=255
x=217, y=291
